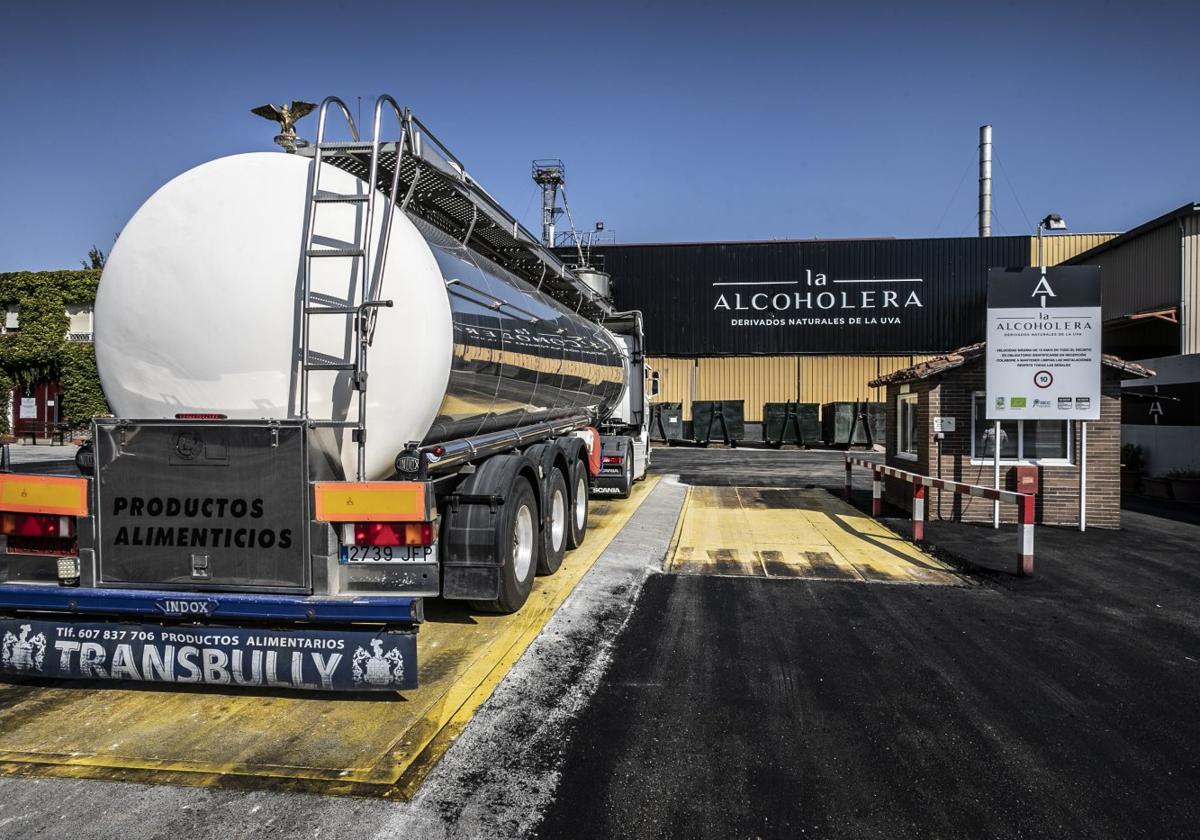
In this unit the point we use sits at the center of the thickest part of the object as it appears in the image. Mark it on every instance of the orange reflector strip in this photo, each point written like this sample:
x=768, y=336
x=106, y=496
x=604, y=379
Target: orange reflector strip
x=43, y=494
x=372, y=501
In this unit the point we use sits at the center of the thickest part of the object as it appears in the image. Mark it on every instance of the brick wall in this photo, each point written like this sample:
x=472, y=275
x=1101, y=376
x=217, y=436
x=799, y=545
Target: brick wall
x=950, y=395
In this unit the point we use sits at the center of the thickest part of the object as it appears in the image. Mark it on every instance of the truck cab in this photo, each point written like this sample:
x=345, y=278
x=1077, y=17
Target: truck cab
x=625, y=435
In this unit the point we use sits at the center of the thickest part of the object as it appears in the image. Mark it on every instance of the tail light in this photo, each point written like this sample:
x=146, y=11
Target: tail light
x=37, y=525
x=614, y=459
x=38, y=512
x=390, y=533
x=39, y=533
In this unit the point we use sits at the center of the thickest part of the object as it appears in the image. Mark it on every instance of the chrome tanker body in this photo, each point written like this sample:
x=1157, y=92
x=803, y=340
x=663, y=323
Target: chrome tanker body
x=198, y=314
x=259, y=473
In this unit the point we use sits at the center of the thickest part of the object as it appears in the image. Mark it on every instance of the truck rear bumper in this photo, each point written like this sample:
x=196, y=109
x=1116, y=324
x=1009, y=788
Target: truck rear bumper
x=269, y=641
x=219, y=606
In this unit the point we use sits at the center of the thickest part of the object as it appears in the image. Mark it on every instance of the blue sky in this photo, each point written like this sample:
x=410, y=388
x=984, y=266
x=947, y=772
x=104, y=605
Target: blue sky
x=677, y=121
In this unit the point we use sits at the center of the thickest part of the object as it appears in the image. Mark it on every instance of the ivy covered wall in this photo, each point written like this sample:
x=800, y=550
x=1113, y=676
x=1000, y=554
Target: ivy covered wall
x=39, y=352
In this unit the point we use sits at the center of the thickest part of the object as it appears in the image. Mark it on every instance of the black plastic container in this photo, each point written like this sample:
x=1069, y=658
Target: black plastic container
x=719, y=420
x=788, y=422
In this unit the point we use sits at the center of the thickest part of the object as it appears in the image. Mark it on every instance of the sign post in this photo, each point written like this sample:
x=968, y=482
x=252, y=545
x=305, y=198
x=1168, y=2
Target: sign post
x=1044, y=329
x=1083, y=475
x=996, y=472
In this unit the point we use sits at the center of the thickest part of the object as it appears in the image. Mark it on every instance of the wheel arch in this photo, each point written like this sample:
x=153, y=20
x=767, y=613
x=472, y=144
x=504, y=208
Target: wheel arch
x=492, y=478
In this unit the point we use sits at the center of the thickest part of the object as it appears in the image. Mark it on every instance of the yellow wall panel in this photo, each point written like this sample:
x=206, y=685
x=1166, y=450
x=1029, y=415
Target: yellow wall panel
x=676, y=381
x=761, y=379
x=826, y=379
x=836, y=378
x=753, y=379
x=1062, y=246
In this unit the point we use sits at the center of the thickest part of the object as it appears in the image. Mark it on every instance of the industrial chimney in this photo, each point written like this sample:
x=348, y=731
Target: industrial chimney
x=985, y=180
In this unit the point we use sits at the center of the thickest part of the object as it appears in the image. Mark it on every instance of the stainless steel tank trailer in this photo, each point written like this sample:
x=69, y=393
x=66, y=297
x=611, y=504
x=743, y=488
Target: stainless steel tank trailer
x=240, y=521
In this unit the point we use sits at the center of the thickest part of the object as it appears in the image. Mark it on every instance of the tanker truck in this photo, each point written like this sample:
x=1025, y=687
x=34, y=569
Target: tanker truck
x=265, y=508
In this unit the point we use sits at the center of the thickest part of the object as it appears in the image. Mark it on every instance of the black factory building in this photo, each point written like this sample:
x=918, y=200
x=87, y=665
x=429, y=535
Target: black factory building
x=810, y=321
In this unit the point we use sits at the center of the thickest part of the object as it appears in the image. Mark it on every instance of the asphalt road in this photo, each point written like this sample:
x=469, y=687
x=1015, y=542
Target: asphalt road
x=1062, y=706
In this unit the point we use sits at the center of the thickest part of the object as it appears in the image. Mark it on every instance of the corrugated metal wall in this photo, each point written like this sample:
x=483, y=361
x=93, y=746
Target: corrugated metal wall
x=1189, y=330
x=677, y=381
x=826, y=379
x=755, y=379
x=761, y=379
x=836, y=378
x=1141, y=274
x=1059, y=248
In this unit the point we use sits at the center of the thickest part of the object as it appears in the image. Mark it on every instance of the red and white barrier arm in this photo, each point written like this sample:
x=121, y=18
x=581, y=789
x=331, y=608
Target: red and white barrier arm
x=922, y=483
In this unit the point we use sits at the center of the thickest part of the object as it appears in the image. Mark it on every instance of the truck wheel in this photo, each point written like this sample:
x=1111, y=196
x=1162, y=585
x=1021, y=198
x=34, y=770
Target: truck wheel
x=558, y=524
x=517, y=544
x=579, y=505
x=626, y=485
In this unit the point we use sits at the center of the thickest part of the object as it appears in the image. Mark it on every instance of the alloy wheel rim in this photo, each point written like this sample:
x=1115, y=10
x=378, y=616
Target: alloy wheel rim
x=558, y=518
x=581, y=501
x=523, y=542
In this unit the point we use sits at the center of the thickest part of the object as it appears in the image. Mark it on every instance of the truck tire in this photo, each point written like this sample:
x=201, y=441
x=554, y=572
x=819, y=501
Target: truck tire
x=626, y=485
x=517, y=544
x=557, y=524
x=579, y=504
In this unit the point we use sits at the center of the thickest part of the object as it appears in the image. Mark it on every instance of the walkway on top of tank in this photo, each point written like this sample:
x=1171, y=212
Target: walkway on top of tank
x=433, y=185
x=794, y=533
x=368, y=744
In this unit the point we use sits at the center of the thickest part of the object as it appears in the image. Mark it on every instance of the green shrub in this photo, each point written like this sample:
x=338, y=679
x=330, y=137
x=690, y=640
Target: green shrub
x=6, y=386
x=39, y=352
x=83, y=397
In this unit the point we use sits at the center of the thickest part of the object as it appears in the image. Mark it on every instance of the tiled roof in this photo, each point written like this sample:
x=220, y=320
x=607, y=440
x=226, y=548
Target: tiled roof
x=973, y=352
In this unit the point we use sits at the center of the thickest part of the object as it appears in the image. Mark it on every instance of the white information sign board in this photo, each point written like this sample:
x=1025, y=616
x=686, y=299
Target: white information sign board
x=28, y=408
x=1043, y=343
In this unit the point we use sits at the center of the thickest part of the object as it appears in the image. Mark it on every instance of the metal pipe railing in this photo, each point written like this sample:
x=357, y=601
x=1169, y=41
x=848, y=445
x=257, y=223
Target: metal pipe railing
x=456, y=452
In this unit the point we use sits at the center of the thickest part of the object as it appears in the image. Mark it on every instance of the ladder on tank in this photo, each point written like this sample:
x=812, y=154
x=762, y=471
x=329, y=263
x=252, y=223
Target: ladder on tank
x=365, y=258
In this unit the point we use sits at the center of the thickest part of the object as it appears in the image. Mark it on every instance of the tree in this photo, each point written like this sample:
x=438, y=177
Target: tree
x=95, y=259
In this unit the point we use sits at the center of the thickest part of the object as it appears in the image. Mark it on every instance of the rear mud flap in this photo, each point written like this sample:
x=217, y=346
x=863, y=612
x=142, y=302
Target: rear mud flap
x=467, y=583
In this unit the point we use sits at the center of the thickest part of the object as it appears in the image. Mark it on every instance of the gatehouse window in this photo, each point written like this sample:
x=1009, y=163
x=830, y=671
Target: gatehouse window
x=907, y=430
x=1021, y=441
